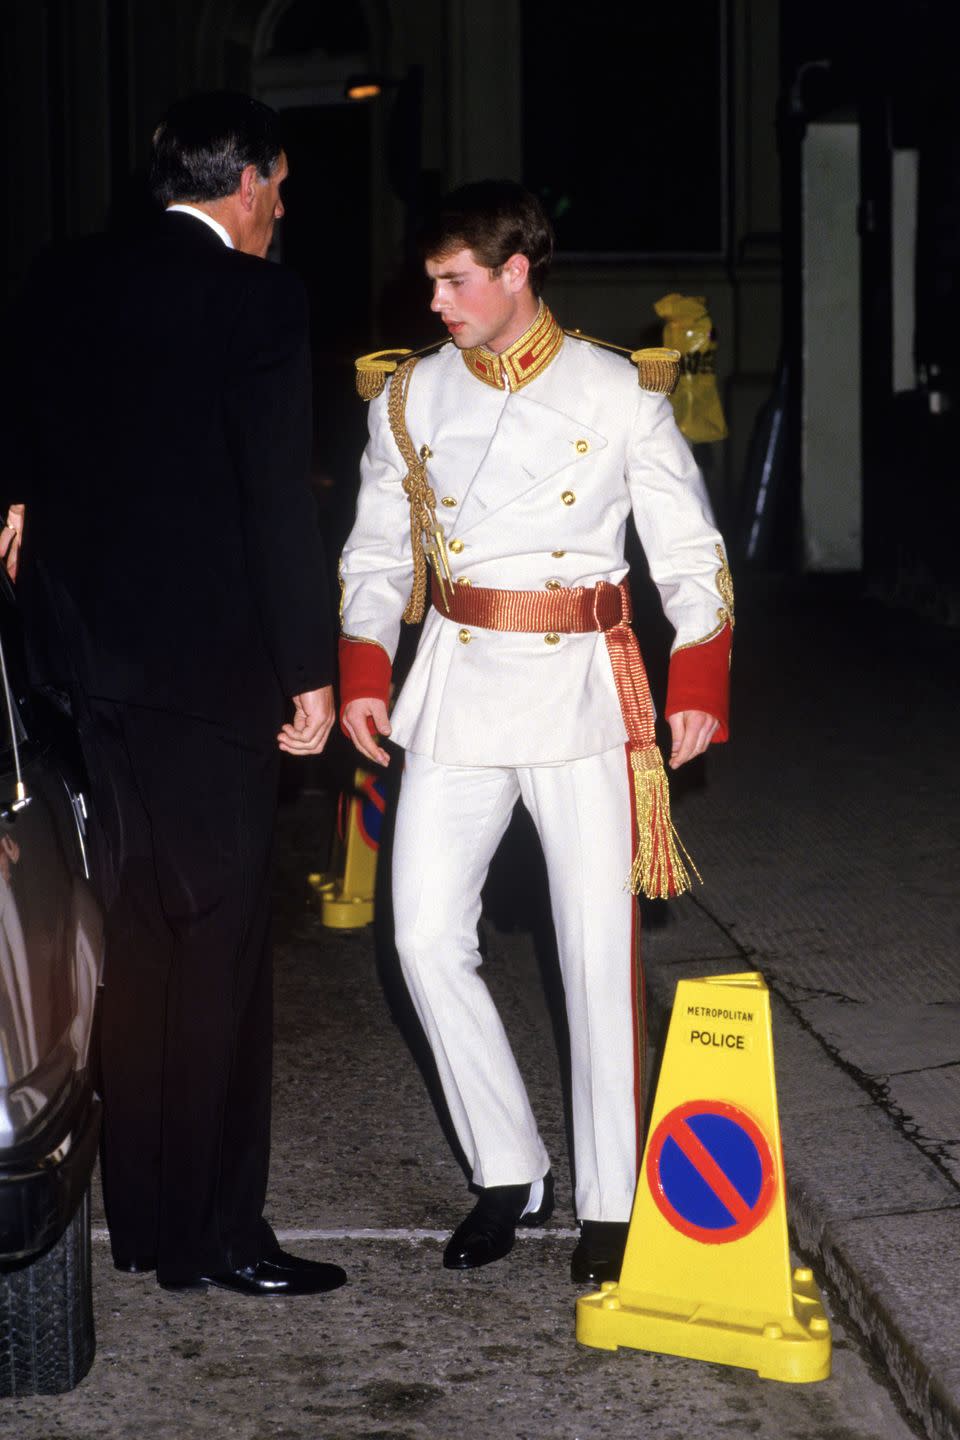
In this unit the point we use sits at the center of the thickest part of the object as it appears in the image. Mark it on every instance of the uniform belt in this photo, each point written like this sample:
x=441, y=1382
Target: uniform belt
x=658, y=869
x=566, y=612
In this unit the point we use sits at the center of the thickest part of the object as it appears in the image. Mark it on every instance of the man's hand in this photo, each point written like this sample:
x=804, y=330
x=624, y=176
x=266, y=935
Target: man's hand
x=363, y=721
x=692, y=731
x=10, y=537
x=313, y=717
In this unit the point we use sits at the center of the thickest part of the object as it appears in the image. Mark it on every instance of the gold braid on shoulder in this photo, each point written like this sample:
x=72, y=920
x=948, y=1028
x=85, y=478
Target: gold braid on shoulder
x=426, y=534
x=658, y=369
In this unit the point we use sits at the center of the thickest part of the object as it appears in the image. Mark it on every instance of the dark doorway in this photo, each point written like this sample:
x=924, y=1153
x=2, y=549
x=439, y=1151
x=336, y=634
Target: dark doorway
x=326, y=239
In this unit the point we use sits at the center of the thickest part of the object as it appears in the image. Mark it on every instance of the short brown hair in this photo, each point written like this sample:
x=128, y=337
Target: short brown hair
x=495, y=219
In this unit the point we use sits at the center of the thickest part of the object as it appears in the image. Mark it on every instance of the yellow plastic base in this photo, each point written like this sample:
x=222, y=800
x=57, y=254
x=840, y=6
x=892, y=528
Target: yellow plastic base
x=794, y=1348
x=337, y=910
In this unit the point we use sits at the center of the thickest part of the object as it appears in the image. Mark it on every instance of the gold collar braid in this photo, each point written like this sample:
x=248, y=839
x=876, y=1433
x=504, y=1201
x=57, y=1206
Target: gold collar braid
x=522, y=361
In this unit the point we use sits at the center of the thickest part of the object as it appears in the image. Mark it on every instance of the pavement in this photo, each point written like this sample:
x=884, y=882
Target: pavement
x=827, y=836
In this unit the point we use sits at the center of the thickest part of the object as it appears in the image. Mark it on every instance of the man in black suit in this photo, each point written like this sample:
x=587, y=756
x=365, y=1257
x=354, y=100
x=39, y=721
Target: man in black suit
x=173, y=586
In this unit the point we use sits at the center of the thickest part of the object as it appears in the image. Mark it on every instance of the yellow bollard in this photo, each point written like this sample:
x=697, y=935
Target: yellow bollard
x=706, y=1273
x=695, y=397
x=347, y=891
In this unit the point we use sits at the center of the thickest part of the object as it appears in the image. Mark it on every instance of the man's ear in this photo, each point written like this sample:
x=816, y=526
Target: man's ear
x=516, y=272
x=249, y=180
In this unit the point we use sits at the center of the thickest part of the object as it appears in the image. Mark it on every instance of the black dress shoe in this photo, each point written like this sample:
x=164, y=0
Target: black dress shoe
x=489, y=1230
x=598, y=1255
x=182, y=1282
x=276, y=1274
x=283, y=1260
x=135, y=1264
x=281, y=1274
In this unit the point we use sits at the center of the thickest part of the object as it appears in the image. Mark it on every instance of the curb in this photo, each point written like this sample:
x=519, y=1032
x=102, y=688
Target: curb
x=855, y=1244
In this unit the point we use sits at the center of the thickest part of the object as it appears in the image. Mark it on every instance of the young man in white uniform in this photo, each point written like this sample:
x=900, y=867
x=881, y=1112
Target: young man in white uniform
x=515, y=456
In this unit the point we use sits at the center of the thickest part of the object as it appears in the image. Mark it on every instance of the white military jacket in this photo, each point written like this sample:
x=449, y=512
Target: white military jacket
x=534, y=483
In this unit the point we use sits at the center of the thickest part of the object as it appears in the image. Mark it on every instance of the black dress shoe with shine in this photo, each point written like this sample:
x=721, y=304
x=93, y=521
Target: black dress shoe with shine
x=281, y=1274
x=488, y=1232
x=276, y=1274
x=283, y=1260
x=598, y=1255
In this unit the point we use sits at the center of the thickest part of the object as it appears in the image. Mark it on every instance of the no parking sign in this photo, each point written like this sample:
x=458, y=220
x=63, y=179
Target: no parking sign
x=711, y=1171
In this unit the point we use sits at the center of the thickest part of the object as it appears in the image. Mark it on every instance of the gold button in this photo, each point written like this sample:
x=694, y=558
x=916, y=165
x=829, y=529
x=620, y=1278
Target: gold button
x=464, y=581
x=456, y=546
x=558, y=554
x=568, y=497
x=425, y=452
x=449, y=501
x=582, y=447
x=464, y=637
x=554, y=585
x=552, y=639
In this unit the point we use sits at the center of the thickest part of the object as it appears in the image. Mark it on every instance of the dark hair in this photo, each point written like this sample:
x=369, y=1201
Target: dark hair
x=202, y=146
x=495, y=219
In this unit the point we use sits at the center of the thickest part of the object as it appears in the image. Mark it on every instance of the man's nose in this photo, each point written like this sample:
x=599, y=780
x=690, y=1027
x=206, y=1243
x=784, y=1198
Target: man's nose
x=279, y=212
x=437, y=302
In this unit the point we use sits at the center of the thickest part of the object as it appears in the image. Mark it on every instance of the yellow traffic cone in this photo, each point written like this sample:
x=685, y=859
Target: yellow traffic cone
x=347, y=891
x=706, y=1272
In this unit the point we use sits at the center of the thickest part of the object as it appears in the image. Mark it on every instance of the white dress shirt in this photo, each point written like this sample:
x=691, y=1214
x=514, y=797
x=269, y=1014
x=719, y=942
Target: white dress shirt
x=207, y=220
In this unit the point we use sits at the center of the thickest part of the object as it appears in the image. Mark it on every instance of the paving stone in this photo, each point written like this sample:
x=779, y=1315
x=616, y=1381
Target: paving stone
x=898, y=1278
x=413, y=1352
x=829, y=841
x=888, y=1036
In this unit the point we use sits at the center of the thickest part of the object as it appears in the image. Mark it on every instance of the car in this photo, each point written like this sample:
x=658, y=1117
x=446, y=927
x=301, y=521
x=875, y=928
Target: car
x=51, y=946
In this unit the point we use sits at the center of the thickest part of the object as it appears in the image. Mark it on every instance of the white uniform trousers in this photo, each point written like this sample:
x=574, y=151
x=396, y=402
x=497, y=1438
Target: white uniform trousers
x=450, y=821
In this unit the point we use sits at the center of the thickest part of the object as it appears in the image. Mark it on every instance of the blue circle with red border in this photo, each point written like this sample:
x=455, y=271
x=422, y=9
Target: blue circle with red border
x=372, y=804
x=711, y=1171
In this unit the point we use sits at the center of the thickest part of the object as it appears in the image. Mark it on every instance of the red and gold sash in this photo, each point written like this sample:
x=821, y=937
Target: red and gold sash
x=658, y=869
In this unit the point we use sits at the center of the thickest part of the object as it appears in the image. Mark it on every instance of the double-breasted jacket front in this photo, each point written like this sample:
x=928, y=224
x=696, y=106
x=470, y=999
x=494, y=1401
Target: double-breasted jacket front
x=534, y=488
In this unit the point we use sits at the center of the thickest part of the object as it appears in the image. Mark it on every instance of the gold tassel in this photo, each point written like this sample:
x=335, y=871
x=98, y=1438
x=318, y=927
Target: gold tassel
x=658, y=870
x=415, y=606
x=426, y=533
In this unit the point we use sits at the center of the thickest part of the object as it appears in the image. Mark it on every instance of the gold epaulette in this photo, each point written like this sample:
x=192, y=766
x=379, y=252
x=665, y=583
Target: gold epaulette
x=658, y=369
x=373, y=369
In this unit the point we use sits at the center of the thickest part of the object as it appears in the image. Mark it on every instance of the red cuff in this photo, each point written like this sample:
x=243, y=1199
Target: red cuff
x=699, y=679
x=365, y=672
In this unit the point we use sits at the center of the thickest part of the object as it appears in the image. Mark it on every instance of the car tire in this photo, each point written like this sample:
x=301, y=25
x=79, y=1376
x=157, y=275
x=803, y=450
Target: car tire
x=47, y=1337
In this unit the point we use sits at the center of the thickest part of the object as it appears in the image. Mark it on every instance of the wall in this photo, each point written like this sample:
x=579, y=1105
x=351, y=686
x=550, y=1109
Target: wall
x=831, y=437
x=86, y=80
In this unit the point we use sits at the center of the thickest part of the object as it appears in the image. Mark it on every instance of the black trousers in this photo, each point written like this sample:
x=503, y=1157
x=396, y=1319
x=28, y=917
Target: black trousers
x=185, y=813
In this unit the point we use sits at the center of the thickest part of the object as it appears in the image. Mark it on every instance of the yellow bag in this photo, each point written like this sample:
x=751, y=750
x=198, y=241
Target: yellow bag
x=696, y=399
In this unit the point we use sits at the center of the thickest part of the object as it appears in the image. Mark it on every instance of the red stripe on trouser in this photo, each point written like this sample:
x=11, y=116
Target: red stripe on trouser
x=638, y=999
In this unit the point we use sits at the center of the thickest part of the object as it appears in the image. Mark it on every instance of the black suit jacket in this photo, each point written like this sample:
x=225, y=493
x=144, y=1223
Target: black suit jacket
x=159, y=433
